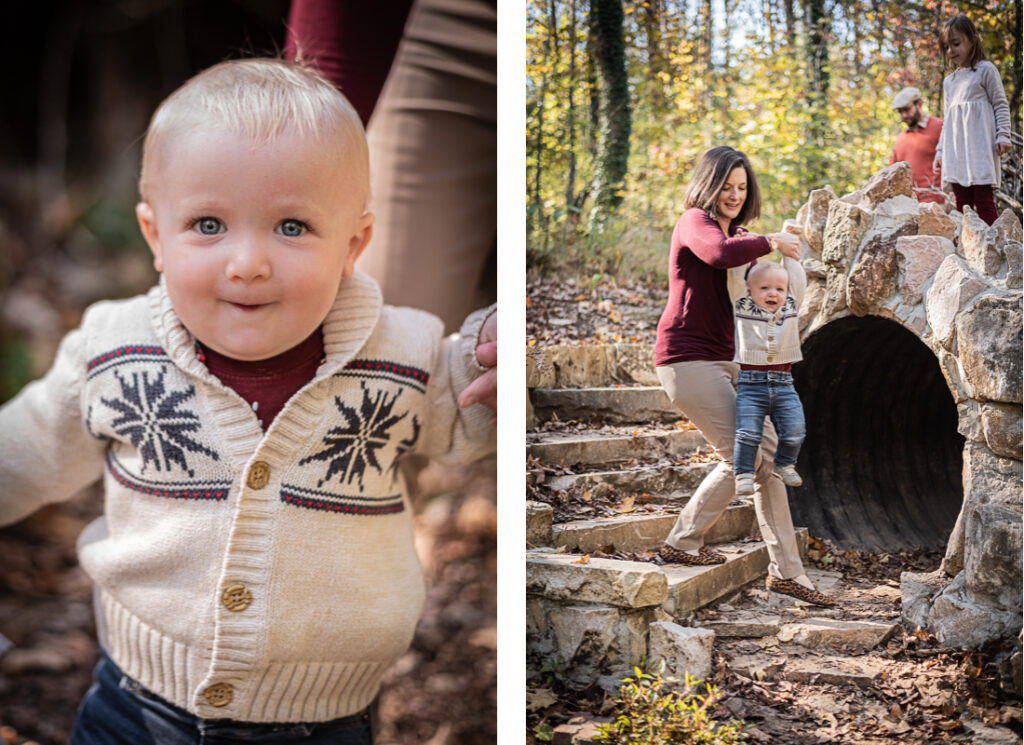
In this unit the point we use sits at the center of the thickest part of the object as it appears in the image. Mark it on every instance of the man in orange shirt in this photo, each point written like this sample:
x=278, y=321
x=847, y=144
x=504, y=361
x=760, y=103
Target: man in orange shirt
x=916, y=145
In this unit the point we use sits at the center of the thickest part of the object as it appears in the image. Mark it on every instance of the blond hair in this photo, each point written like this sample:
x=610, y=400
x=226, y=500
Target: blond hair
x=765, y=266
x=260, y=99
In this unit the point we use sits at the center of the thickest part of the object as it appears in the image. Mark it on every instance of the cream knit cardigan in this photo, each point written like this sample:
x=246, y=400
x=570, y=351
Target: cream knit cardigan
x=261, y=577
x=764, y=338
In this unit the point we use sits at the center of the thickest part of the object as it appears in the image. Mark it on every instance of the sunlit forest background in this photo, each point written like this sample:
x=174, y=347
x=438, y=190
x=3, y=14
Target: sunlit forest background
x=623, y=96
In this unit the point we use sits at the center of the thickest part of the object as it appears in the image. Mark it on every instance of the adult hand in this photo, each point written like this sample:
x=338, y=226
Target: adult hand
x=937, y=163
x=1003, y=148
x=788, y=245
x=484, y=390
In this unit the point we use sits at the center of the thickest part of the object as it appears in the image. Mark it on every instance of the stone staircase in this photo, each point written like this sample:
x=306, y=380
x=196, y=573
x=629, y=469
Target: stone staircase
x=588, y=613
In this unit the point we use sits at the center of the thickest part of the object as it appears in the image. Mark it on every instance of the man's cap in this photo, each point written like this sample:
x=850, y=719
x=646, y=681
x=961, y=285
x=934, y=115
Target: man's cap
x=906, y=97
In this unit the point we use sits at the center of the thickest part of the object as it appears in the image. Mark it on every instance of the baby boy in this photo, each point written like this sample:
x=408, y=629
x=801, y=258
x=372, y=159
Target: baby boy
x=255, y=561
x=767, y=343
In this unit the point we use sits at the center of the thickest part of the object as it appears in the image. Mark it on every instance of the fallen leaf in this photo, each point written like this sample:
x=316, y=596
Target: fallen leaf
x=585, y=559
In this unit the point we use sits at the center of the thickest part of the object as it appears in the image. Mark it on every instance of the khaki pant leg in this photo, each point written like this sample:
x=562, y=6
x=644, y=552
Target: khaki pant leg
x=433, y=163
x=704, y=392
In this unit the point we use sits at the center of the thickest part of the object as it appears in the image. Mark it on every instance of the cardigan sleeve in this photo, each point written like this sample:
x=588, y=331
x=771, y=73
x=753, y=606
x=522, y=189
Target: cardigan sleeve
x=700, y=233
x=47, y=453
x=797, y=279
x=452, y=435
x=997, y=97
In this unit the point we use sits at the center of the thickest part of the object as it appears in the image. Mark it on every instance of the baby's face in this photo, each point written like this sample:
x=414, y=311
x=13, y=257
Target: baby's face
x=252, y=238
x=768, y=289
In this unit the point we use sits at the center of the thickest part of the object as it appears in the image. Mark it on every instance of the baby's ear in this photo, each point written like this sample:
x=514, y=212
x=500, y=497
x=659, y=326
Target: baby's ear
x=357, y=243
x=147, y=222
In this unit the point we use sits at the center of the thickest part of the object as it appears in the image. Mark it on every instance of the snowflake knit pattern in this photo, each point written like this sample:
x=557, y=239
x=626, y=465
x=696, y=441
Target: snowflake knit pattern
x=310, y=517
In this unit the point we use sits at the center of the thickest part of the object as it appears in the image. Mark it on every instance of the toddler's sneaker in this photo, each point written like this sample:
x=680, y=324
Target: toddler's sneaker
x=789, y=475
x=744, y=484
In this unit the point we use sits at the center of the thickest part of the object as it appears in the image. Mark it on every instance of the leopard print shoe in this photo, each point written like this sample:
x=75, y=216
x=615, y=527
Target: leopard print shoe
x=798, y=591
x=705, y=556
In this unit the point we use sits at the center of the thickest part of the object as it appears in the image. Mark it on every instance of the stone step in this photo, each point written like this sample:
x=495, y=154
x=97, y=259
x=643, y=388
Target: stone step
x=830, y=669
x=561, y=366
x=640, y=532
x=816, y=633
x=614, y=405
x=635, y=584
x=690, y=588
x=595, y=449
x=680, y=481
x=574, y=579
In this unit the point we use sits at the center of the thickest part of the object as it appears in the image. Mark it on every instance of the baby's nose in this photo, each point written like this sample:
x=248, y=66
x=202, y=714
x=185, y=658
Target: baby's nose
x=248, y=262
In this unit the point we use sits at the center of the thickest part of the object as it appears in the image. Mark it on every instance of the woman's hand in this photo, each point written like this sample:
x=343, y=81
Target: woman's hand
x=788, y=245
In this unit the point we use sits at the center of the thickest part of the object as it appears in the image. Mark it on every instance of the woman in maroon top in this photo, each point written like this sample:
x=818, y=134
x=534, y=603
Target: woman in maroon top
x=694, y=354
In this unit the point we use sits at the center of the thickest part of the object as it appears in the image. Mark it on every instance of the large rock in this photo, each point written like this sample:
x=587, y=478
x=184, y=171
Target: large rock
x=1013, y=251
x=919, y=257
x=897, y=215
x=917, y=590
x=1005, y=229
x=891, y=181
x=538, y=523
x=594, y=640
x=990, y=347
x=846, y=226
x=580, y=579
x=634, y=363
x=873, y=279
x=817, y=217
x=683, y=650
x=934, y=221
x=813, y=300
x=987, y=478
x=1002, y=428
x=992, y=563
x=958, y=620
x=976, y=242
x=954, y=285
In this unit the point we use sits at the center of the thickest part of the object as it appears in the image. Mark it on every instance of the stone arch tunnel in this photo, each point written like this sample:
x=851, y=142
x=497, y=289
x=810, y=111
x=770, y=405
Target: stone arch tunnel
x=882, y=460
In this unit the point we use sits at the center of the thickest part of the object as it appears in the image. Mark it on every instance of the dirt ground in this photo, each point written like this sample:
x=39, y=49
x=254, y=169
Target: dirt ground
x=443, y=691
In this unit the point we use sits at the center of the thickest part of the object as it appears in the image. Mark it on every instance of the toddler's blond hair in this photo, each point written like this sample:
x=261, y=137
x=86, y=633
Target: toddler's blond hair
x=260, y=99
x=765, y=266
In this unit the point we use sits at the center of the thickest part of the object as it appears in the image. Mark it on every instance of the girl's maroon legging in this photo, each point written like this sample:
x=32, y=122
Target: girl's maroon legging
x=978, y=196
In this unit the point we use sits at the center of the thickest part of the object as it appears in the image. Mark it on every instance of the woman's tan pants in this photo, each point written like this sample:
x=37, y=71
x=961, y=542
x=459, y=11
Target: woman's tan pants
x=705, y=392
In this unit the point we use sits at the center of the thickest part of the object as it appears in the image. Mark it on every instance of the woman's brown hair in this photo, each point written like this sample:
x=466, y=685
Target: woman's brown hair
x=709, y=178
x=963, y=25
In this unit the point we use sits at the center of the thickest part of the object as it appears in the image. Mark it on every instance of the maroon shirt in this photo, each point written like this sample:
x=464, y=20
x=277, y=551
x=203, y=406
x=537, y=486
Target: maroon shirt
x=271, y=382
x=697, y=322
x=351, y=42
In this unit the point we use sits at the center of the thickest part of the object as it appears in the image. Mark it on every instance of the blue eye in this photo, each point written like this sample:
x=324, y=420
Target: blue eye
x=292, y=228
x=209, y=225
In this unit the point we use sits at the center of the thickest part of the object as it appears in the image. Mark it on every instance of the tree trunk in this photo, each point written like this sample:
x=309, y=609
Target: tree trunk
x=817, y=23
x=570, y=181
x=606, y=17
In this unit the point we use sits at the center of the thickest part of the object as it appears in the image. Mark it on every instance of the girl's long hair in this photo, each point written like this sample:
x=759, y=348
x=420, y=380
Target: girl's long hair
x=963, y=25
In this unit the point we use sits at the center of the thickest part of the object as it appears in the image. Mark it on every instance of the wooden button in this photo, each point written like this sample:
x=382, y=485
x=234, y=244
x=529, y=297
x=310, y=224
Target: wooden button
x=219, y=694
x=236, y=598
x=259, y=475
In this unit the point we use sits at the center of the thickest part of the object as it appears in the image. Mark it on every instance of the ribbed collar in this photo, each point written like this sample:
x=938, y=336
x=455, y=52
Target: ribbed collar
x=346, y=328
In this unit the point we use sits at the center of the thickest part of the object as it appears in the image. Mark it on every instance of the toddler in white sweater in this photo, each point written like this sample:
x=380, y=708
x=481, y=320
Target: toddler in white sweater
x=254, y=566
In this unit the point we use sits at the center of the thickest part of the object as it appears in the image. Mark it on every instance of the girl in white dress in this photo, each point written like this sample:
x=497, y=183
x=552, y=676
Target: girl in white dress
x=976, y=120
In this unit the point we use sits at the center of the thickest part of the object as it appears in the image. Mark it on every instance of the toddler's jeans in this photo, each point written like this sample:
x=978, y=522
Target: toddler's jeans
x=118, y=711
x=761, y=393
x=978, y=196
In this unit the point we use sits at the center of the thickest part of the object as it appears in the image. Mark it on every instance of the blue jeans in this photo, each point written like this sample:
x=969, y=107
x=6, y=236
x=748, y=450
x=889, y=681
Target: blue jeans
x=761, y=393
x=118, y=711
